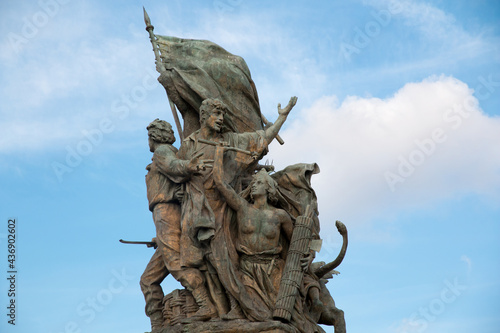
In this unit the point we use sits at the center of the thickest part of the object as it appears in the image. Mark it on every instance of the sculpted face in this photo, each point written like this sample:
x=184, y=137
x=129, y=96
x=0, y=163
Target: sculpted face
x=152, y=144
x=215, y=119
x=259, y=186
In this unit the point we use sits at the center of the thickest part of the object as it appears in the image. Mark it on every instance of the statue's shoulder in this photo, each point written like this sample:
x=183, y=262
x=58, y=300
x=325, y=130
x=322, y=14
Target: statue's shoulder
x=283, y=214
x=165, y=150
x=191, y=138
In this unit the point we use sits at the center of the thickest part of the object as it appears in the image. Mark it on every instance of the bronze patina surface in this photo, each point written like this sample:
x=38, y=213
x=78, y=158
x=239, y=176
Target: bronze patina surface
x=240, y=238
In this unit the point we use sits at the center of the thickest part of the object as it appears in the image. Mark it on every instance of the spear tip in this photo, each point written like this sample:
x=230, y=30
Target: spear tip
x=147, y=20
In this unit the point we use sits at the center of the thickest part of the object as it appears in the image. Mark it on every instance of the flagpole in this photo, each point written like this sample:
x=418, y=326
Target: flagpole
x=161, y=69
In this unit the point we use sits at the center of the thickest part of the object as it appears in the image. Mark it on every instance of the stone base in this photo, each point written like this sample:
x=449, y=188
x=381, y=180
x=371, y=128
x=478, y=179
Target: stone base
x=233, y=326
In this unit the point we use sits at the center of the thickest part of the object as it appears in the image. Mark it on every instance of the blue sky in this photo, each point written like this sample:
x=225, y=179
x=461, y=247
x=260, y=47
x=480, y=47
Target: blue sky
x=398, y=104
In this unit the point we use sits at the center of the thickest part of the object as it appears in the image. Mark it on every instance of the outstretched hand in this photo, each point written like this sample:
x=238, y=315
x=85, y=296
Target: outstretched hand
x=153, y=244
x=287, y=108
x=196, y=165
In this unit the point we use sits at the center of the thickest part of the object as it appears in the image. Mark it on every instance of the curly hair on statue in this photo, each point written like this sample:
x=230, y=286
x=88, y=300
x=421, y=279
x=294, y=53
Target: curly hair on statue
x=161, y=131
x=208, y=105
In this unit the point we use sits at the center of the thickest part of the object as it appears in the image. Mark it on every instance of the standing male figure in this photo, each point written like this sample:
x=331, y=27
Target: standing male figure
x=163, y=179
x=205, y=216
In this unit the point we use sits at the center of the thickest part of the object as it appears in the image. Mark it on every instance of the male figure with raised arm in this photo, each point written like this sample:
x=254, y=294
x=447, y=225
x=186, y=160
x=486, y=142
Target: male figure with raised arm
x=205, y=215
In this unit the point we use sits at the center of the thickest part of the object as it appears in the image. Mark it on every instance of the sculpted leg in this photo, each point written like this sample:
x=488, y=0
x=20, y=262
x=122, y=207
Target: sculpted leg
x=167, y=219
x=192, y=279
x=207, y=309
x=331, y=315
x=216, y=291
x=153, y=275
x=316, y=303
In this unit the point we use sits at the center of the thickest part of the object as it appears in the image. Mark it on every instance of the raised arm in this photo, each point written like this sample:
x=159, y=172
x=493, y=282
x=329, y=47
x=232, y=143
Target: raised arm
x=273, y=130
x=232, y=198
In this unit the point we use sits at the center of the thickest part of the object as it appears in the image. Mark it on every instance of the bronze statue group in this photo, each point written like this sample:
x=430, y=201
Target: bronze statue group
x=225, y=229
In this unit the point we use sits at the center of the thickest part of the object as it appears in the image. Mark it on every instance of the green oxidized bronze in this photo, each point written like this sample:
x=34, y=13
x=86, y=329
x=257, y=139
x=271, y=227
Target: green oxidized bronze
x=240, y=238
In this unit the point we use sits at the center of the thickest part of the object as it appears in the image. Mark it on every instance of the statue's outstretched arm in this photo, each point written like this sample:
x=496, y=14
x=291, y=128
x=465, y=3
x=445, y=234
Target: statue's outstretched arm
x=177, y=170
x=273, y=130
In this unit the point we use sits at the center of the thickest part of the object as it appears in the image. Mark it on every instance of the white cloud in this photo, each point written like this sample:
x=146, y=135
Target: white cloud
x=431, y=134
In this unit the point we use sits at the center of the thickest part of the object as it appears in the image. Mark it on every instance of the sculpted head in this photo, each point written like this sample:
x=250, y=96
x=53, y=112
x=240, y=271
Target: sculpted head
x=263, y=184
x=212, y=113
x=160, y=131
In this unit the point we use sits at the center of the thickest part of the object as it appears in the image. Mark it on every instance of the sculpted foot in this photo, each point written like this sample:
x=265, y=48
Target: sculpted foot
x=207, y=309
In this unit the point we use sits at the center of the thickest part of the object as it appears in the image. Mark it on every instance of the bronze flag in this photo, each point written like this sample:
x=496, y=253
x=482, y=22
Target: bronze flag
x=199, y=69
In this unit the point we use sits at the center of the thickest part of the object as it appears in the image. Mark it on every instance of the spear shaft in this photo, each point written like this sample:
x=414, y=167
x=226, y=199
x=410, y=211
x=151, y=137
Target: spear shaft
x=161, y=68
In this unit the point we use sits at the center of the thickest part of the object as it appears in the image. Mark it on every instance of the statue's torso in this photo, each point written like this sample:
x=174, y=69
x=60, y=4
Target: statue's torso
x=259, y=230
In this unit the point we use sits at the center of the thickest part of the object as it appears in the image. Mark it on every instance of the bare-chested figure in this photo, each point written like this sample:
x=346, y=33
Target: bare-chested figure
x=259, y=226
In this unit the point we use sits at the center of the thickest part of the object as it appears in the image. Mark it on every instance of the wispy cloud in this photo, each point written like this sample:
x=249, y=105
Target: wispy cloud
x=284, y=63
x=440, y=29
x=66, y=78
x=74, y=62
